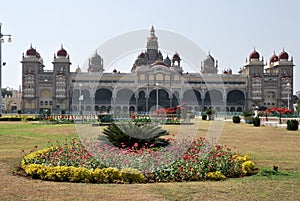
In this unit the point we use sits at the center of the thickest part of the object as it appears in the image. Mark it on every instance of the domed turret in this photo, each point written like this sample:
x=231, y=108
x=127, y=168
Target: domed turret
x=273, y=58
x=209, y=58
x=176, y=57
x=142, y=55
x=62, y=52
x=283, y=55
x=96, y=59
x=31, y=52
x=254, y=55
x=95, y=63
x=209, y=66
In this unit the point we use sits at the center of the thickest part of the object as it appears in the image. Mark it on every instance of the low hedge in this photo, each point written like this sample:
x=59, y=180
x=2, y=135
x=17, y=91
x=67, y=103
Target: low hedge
x=18, y=119
x=82, y=174
x=10, y=118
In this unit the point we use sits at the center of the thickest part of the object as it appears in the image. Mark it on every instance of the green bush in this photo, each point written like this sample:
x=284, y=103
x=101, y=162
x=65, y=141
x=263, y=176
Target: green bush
x=204, y=117
x=248, y=113
x=236, y=119
x=10, y=119
x=127, y=135
x=256, y=121
x=292, y=125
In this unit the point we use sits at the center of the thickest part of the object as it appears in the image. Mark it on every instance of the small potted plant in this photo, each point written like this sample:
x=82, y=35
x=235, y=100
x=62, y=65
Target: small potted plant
x=236, y=119
x=210, y=113
x=292, y=125
x=248, y=116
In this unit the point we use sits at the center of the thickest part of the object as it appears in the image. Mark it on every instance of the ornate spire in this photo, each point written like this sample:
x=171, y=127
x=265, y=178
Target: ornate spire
x=152, y=31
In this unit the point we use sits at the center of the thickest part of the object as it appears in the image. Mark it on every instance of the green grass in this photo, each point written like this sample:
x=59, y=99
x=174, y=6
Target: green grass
x=269, y=146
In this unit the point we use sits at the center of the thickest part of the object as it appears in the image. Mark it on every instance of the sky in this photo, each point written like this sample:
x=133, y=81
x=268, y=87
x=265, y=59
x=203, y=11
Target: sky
x=228, y=29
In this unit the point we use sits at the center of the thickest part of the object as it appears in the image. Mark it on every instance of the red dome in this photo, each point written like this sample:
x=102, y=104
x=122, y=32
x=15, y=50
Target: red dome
x=176, y=56
x=254, y=55
x=31, y=52
x=62, y=52
x=283, y=55
x=273, y=58
x=142, y=55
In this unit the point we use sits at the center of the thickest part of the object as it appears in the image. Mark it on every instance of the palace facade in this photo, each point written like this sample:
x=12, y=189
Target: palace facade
x=154, y=81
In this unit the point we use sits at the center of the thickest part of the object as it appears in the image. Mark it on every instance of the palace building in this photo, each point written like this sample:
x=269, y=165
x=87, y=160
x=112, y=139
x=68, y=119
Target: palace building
x=154, y=81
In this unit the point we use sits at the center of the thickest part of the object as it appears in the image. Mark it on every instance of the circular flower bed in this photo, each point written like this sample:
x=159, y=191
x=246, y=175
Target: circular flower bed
x=72, y=161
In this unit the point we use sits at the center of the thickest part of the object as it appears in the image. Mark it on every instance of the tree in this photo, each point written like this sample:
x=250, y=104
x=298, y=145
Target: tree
x=6, y=91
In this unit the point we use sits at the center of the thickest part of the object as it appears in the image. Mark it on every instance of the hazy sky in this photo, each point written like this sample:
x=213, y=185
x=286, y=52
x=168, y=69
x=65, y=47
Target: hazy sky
x=228, y=29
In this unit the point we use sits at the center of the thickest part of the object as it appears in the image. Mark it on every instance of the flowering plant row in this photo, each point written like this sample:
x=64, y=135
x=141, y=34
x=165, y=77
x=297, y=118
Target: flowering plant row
x=76, y=161
x=36, y=165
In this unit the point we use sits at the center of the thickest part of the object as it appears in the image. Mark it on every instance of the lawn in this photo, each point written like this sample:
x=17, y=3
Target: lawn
x=269, y=146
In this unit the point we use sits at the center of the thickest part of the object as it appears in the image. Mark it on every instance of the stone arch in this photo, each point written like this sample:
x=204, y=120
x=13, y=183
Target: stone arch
x=175, y=99
x=163, y=98
x=125, y=97
x=192, y=97
x=235, y=97
x=103, y=96
x=213, y=97
x=141, y=107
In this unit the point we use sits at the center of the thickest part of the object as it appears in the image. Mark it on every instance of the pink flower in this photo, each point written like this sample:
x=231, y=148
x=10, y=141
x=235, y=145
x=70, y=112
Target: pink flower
x=136, y=144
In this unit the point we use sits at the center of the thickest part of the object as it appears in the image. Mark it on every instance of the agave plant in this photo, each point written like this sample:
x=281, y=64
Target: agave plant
x=127, y=135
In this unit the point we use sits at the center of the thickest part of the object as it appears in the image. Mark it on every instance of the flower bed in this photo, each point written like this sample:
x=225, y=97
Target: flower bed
x=74, y=162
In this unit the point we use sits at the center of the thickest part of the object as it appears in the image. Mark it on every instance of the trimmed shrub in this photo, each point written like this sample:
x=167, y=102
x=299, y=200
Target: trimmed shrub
x=248, y=168
x=236, y=119
x=82, y=174
x=292, y=125
x=204, y=117
x=217, y=176
x=256, y=121
x=10, y=119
